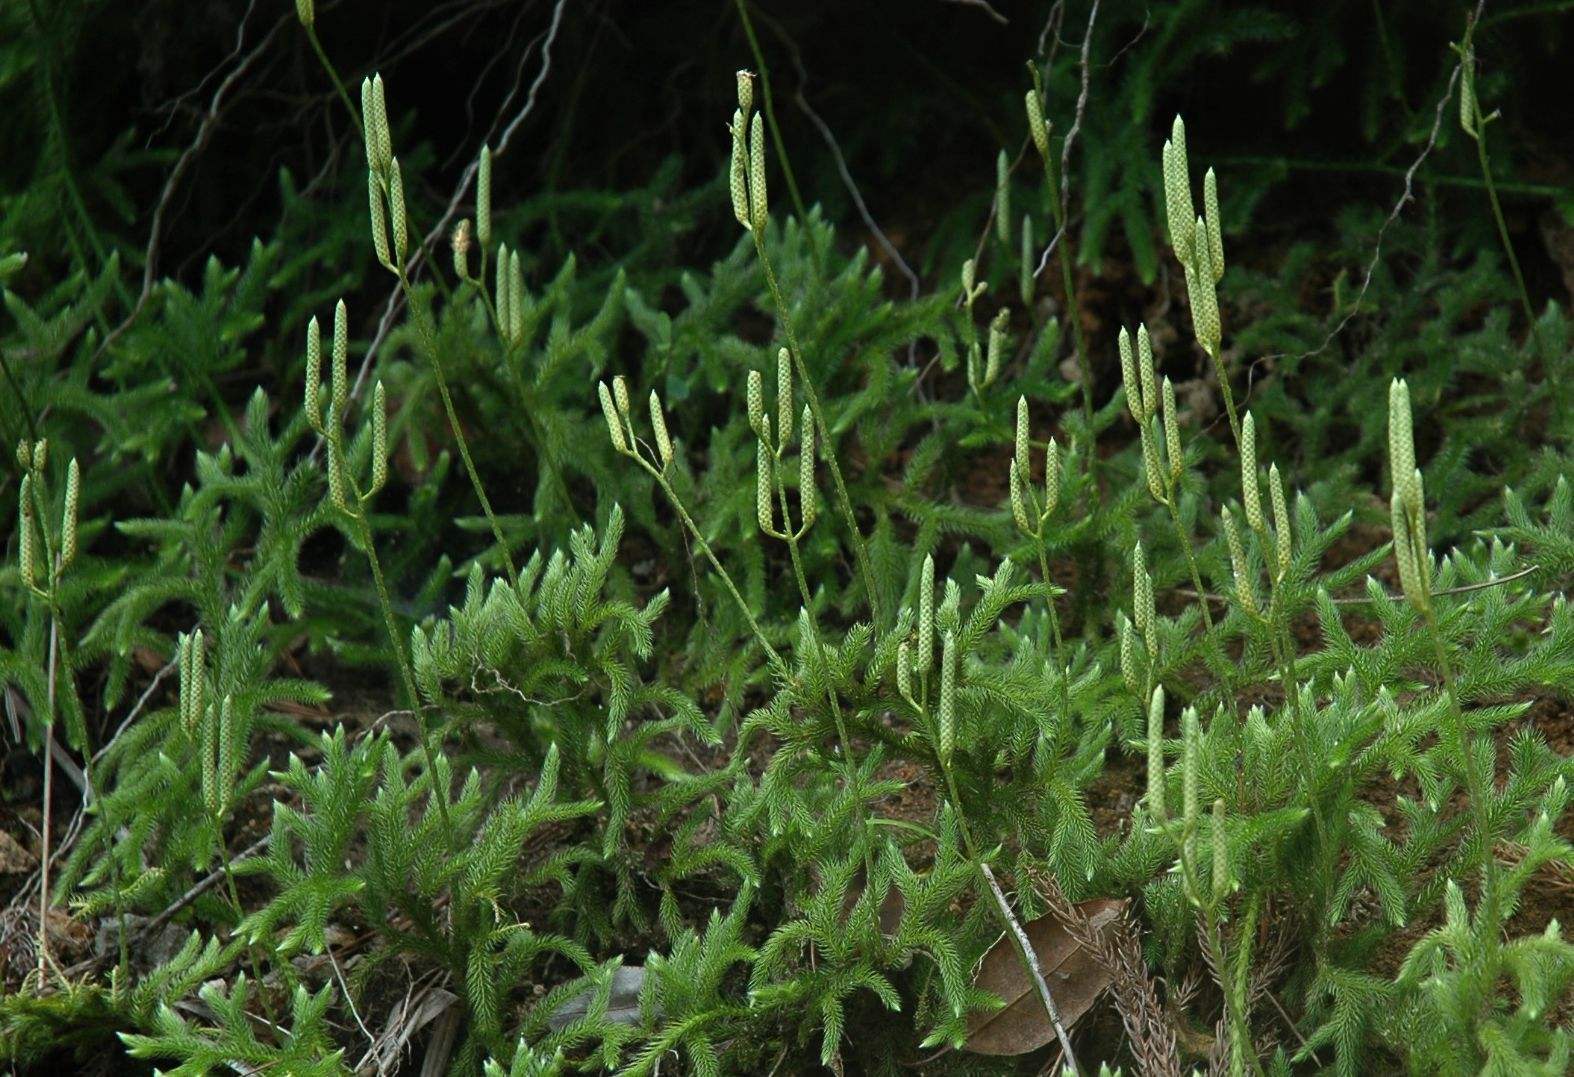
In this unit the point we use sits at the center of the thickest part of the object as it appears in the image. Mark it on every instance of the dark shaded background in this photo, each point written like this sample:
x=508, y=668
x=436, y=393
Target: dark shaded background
x=919, y=93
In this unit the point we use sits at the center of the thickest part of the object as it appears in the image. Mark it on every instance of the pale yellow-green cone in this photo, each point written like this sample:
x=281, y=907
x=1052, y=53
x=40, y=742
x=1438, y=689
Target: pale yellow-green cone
x=784, y=408
x=516, y=299
x=1128, y=374
x=808, y=499
x=737, y=174
x=459, y=244
x=1210, y=210
x=1401, y=441
x=374, y=117
x=1146, y=373
x=1156, y=755
x=26, y=558
x=755, y=396
x=759, y=210
x=1142, y=611
x=763, y=511
x=947, y=697
x=1238, y=563
x=1172, y=443
x=1151, y=468
x=1020, y=445
x=1177, y=193
x=658, y=423
x=745, y=92
x=225, y=755
x=1051, y=476
x=1281, y=519
x=1019, y=500
x=340, y=360
x=396, y=214
x=1003, y=197
x=1204, y=299
x=483, y=200
x=1251, y=494
x=1025, y=267
x=379, y=439
x=924, y=651
x=500, y=294
x=1037, y=126
x=314, y=374
x=614, y=426
x=997, y=345
x=1128, y=653
x=1191, y=767
x=374, y=199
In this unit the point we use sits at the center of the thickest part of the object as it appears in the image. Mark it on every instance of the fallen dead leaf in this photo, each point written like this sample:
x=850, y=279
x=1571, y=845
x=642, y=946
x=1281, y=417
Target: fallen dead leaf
x=1075, y=980
x=15, y=860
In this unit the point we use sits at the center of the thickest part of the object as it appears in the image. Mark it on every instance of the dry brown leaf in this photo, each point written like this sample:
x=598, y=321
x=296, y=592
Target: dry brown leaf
x=15, y=860
x=1075, y=980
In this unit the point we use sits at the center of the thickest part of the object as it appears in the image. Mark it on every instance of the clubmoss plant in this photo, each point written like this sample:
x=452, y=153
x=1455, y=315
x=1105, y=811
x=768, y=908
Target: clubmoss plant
x=385, y=197
x=354, y=502
x=758, y=217
x=56, y=549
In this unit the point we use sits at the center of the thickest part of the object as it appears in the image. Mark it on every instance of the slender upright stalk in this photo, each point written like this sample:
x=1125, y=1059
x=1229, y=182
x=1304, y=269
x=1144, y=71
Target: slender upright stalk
x=1215, y=649
x=812, y=396
x=1054, y=627
x=1073, y=313
x=1502, y=231
x=776, y=133
x=849, y=760
x=814, y=630
x=1223, y=378
x=1242, y=1054
x=228, y=864
x=406, y=673
x=710, y=555
x=532, y=425
x=338, y=83
x=427, y=334
x=48, y=805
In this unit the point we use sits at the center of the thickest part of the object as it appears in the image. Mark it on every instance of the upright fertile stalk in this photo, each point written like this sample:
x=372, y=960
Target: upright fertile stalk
x=1276, y=546
x=1038, y=128
x=306, y=12
x=1152, y=409
x=1474, y=123
x=1414, y=560
x=385, y=195
x=620, y=428
x=30, y=518
x=1198, y=243
x=769, y=482
x=750, y=206
x=1031, y=517
x=351, y=500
